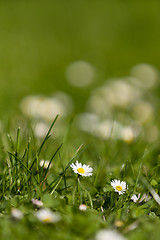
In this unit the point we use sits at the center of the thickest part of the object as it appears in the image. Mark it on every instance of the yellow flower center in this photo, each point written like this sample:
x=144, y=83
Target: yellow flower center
x=47, y=220
x=80, y=170
x=119, y=188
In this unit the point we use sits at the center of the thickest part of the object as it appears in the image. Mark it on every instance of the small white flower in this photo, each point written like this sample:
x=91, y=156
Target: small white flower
x=47, y=216
x=119, y=186
x=16, y=214
x=44, y=163
x=145, y=197
x=135, y=198
x=109, y=235
x=82, y=207
x=37, y=202
x=83, y=170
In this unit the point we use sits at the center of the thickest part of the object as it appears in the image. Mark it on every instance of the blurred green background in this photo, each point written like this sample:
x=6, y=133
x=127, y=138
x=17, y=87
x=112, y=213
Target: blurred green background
x=39, y=39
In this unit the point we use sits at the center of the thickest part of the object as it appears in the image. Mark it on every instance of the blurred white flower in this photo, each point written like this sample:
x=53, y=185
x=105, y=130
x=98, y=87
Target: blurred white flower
x=123, y=93
x=66, y=100
x=98, y=102
x=37, y=202
x=41, y=129
x=83, y=170
x=145, y=197
x=145, y=74
x=109, y=235
x=47, y=216
x=80, y=73
x=135, y=198
x=151, y=133
x=47, y=108
x=102, y=129
x=115, y=93
x=44, y=163
x=108, y=129
x=143, y=111
x=87, y=121
x=127, y=134
x=16, y=214
x=119, y=186
x=82, y=207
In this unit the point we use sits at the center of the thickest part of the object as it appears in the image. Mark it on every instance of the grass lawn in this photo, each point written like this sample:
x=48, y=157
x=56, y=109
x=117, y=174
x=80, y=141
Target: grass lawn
x=80, y=120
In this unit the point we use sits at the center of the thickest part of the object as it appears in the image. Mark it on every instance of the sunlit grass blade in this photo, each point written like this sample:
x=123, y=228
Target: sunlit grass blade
x=22, y=164
x=151, y=189
x=47, y=136
x=140, y=169
x=10, y=141
x=64, y=177
x=51, y=162
x=18, y=141
x=28, y=147
x=50, y=185
x=42, y=144
x=56, y=185
x=28, y=170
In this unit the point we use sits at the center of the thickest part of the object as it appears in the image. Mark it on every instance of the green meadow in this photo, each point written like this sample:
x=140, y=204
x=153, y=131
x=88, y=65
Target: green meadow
x=80, y=120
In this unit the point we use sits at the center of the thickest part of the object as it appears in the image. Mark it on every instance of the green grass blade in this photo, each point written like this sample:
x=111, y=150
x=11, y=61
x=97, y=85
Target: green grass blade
x=64, y=177
x=51, y=161
x=18, y=141
x=56, y=185
x=28, y=170
x=42, y=144
x=151, y=189
x=47, y=136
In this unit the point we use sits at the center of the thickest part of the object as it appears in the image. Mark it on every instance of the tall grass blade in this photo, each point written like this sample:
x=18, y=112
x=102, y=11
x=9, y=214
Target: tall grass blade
x=51, y=161
x=42, y=144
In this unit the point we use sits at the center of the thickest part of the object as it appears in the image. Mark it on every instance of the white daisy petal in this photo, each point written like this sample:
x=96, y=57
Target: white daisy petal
x=134, y=198
x=145, y=197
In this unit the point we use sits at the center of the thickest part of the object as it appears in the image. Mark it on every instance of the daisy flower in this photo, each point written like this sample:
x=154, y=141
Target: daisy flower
x=135, y=198
x=109, y=235
x=82, y=207
x=44, y=163
x=47, y=216
x=16, y=214
x=119, y=186
x=145, y=197
x=83, y=170
x=37, y=202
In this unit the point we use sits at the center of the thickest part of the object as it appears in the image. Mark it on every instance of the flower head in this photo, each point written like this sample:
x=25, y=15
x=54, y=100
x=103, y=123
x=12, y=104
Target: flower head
x=83, y=170
x=16, y=214
x=119, y=186
x=47, y=216
x=109, y=235
x=135, y=198
x=44, y=163
x=82, y=207
x=37, y=202
x=145, y=197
